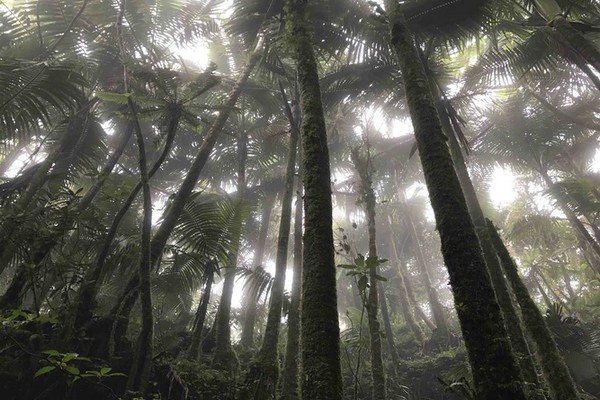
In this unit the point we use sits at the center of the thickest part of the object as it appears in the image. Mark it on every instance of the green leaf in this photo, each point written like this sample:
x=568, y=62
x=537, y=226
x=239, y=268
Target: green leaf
x=105, y=370
x=347, y=266
x=119, y=98
x=44, y=370
x=51, y=352
x=71, y=369
x=69, y=356
x=362, y=283
x=380, y=278
x=372, y=262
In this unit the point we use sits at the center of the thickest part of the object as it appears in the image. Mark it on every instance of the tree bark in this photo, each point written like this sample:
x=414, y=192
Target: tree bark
x=266, y=366
x=142, y=361
x=289, y=378
x=555, y=370
x=496, y=374
x=405, y=303
x=367, y=195
x=250, y=301
x=224, y=357
x=321, y=377
x=201, y=315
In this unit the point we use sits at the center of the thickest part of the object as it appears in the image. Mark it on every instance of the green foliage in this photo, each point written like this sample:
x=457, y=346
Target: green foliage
x=362, y=269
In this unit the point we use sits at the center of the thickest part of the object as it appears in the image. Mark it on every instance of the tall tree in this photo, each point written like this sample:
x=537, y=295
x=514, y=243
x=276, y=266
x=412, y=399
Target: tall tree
x=320, y=347
x=495, y=372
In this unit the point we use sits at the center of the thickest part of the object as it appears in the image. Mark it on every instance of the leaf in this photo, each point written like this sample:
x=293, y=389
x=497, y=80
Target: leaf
x=372, y=262
x=71, y=369
x=362, y=283
x=51, y=352
x=105, y=370
x=44, y=370
x=69, y=356
x=119, y=98
x=380, y=278
x=347, y=266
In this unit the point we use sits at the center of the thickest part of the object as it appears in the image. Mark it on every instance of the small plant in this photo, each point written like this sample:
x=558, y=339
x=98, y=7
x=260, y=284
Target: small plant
x=66, y=363
x=362, y=269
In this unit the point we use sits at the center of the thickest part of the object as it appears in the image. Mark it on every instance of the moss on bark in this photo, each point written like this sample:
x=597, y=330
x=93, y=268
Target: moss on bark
x=320, y=376
x=496, y=374
x=553, y=366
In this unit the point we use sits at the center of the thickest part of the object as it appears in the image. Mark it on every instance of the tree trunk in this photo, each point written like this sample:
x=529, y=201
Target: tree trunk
x=496, y=374
x=389, y=334
x=405, y=303
x=441, y=331
x=84, y=303
x=266, y=366
x=512, y=321
x=224, y=357
x=289, y=377
x=321, y=377
x=200, y=317
x=142, y=361
x=367, y=194
x=557, y=374
x=249, y=300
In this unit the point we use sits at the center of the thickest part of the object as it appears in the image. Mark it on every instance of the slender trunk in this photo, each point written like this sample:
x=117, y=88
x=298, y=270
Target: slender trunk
x=441, y=331
x=321, y=376
x=142, y=361
x=555, y=370
x=572, y=217
x=367, y=194
x=405, y=303
x=267, y=365
x=84, y=303
x=250, y=301
x=496, y=374
x=224, y=357
x=389, y=334
x=543, y=293
x=200, y=317
x=512, y=321
x=289, y=378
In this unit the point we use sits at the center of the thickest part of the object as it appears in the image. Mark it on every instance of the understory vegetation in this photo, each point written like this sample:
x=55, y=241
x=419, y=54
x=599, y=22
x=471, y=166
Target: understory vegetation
x=294, y=199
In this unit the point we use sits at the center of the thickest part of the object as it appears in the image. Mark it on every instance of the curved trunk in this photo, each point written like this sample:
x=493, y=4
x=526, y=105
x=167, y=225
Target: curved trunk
x=266, y=368
x=83, y=305
x=557, y=374
x=496, y=374
x=250, y=301
x=321, y=377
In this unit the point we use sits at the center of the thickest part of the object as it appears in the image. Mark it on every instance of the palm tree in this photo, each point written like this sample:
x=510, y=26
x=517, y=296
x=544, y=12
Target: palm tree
x=319, y=347
x=495, y=371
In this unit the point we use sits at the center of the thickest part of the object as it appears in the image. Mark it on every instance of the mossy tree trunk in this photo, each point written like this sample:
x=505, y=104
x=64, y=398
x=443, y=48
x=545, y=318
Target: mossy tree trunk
x=512, y=321
x=265, y=370
x=362, y=164
x=555, y=370
x=320, y=376
x=496, y=374
x=249, y=300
